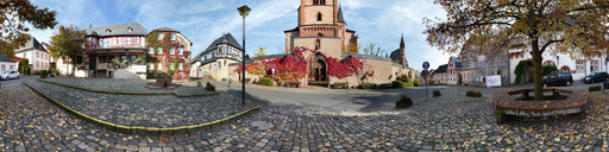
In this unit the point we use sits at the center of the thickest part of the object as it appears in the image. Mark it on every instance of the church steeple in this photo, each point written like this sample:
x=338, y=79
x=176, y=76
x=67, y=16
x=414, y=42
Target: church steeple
x=402, y=44
x=402, y=59
x=341, y=19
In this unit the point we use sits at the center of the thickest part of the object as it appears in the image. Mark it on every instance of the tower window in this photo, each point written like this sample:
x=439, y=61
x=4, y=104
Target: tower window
x=315, y=2
x=319, y=17
x=322, y=2
x=317, y=44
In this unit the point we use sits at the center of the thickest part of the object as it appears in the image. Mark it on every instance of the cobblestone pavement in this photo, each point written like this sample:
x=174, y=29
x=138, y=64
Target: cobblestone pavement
x=466, y=124
x=146, y=110
x=137, y=86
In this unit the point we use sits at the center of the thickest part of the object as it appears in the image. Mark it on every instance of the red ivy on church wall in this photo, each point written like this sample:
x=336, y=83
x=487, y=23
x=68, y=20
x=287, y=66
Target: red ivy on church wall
x=294, y=68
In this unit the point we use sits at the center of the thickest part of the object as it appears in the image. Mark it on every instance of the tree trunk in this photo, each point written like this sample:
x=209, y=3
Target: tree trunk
x=537, y=76
x=73, y=66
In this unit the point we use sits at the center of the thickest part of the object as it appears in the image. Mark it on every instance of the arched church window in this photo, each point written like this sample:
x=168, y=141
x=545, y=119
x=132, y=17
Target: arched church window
x=317, y=44
x=319, y=17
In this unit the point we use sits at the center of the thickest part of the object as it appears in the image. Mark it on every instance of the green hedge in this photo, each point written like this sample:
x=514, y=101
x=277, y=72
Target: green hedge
x=266, y=81
x=595, y=88
x=367, y=86
x=44, y=73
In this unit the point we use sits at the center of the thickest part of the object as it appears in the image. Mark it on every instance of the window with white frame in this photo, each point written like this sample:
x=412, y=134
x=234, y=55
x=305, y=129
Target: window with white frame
x=151, y=51
x=180, y=66
x=594, y=66
x=159, y=50
x=180, y=51
x=159, y=66
x=172, y=51
x=580, y=66
x=160, y=36
x=173, y=37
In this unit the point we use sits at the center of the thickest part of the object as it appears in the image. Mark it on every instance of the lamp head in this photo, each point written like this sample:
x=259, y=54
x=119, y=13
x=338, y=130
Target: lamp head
x=244, y=10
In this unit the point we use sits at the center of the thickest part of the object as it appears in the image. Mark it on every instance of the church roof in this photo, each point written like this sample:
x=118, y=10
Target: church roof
x=340, y=15
x=32, y=44
x=395, y=55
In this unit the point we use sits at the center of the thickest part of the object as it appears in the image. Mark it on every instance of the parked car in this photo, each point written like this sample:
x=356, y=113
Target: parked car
x=558, y=79
x=596, y=77
x=6, y=75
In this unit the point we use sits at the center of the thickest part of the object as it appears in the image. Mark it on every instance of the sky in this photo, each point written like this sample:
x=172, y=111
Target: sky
x=380, y=21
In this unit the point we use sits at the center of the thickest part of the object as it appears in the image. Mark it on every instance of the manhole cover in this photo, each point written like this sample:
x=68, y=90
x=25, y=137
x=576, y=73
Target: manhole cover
x=262, y=125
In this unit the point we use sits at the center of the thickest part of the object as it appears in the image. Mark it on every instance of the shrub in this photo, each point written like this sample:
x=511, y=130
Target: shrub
x=53, y=71
x=396, y=84
x=417, y=82
x=407, y=84
x=366, y=86
x=472, y=93
x=199, y=83
x=549, y=69
x=210, y=87
x=44, y=74
x=402, y=78
x=404, y=102
x=595, y=88
x=266, y=81
x=385, y=86
x=436, y=93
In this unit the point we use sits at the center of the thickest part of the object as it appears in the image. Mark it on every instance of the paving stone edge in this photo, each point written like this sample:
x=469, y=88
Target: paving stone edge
x=141, y=128
x=129, y=93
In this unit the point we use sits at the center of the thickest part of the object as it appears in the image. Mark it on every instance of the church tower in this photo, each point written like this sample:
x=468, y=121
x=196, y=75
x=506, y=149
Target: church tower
x=321, y=26
x=318, y=18
x=399, y=56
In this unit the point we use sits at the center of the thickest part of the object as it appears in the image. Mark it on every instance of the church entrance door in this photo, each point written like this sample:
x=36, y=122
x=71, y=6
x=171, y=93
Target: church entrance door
x=318, y=71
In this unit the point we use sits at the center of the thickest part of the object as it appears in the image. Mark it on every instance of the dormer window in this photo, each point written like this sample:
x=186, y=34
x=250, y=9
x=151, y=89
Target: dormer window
x=160, y=36
x=173, y=37
x=129, y=29
x=108, y=31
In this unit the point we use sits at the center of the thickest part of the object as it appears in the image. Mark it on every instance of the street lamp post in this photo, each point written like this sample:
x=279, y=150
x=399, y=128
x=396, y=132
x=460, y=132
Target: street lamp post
x=243, y=11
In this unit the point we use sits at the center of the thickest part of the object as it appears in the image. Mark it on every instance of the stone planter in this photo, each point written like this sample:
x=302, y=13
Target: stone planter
x=340, y=86
x=507, y=105
x=292, y=84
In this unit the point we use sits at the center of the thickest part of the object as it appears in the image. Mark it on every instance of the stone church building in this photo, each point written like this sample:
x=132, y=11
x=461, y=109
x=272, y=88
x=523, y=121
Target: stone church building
x=322, y=27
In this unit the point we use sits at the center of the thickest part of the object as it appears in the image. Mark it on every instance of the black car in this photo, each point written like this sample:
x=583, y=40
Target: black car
x=596, y=77
x=558, y=79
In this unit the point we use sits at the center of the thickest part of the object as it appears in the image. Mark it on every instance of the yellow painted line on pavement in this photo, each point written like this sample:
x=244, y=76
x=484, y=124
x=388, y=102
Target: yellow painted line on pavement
x=139, y=128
